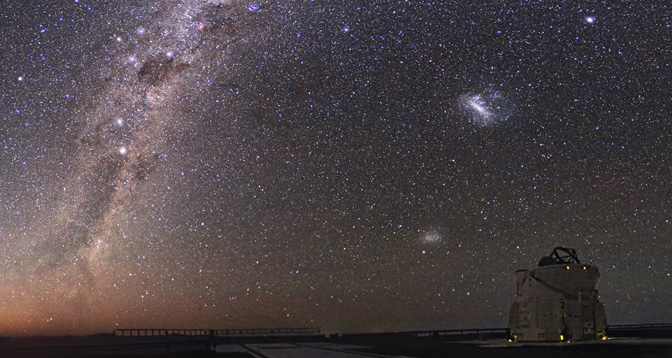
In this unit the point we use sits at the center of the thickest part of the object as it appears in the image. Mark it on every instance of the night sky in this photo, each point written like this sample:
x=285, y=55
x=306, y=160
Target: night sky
x=360, y=165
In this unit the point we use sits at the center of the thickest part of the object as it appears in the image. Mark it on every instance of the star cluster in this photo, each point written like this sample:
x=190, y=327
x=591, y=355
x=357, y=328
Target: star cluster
x=354, y=166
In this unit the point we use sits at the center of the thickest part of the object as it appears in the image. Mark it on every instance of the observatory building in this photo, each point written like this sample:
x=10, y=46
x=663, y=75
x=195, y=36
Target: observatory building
x=557, y=301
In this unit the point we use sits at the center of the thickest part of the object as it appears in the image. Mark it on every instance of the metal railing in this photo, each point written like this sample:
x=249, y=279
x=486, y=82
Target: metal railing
x=640, y=326
x=459, y=332
x=245, y=332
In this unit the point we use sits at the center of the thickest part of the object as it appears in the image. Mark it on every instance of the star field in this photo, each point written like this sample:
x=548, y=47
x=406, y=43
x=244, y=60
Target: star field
x=354, y=166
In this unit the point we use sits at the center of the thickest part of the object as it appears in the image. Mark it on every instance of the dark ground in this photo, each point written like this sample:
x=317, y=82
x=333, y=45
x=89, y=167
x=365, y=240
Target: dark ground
x=430, y=348
x=385, y=344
